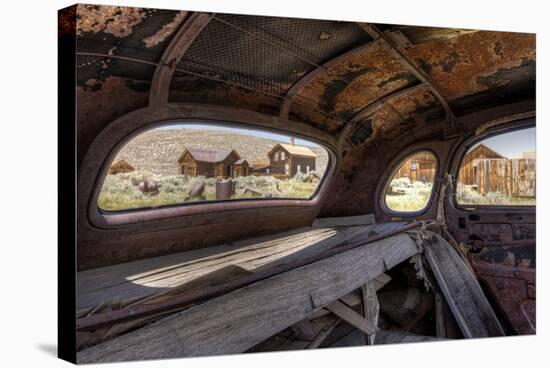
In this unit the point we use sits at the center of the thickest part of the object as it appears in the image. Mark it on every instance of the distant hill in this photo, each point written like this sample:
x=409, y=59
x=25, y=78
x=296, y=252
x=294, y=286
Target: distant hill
x=158, y=150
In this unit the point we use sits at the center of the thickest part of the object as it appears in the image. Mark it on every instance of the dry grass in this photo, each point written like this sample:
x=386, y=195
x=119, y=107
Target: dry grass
x=414, y=198
x=121, y=192
x=466, y=195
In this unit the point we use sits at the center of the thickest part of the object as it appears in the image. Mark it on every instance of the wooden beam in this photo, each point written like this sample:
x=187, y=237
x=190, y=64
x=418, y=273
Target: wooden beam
x=345, y=221
x=352, y=317
x=354, y=299
x=371, y=308
x=203, y=288
x=461, y=290
x=440, y=319
x=237, y=321
x=180, y=43
x=410, y=64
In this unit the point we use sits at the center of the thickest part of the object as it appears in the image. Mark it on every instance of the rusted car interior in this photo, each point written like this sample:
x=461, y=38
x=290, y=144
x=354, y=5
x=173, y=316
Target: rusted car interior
x=339, y=268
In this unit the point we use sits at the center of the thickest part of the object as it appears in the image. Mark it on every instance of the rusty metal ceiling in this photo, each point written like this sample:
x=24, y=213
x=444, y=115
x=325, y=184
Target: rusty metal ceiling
x=348, y=79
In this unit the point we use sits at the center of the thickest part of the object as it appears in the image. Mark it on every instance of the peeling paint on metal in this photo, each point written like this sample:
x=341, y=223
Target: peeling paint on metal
x=166, y=30
x=115, y=20
x=370, y=74
x=458, y=65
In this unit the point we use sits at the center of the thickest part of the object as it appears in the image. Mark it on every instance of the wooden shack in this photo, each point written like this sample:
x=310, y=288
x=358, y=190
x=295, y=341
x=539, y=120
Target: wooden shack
x=288, y=159
x=469, y=168
x=208, y=163
x=120, y=166
x=261, y=167
x=487, y=171
x=241, y=167
x=419, y=167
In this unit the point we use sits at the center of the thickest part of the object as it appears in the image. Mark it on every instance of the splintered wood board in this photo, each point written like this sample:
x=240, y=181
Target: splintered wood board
x=147, y=277
x=462, y=291
x=237, y=321
x=345, y=221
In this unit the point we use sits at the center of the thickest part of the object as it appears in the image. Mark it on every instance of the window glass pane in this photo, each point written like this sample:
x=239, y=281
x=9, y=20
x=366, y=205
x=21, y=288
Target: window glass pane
x=189, y=163
x=411, y=187
x=499, y=170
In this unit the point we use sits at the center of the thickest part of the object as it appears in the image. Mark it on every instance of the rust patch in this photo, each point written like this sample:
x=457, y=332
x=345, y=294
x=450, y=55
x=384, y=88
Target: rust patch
x=100, y=102
x=115, y=20
x=371, y=73
x=66, y=21
x=512, y=256
x=418, y=101
x=189, y=89
x=166, y=30
x=402, y=114
x=458, y=66
x=316, y=119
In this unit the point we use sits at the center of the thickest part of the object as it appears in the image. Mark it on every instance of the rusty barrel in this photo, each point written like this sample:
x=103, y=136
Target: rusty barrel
x=224, y=189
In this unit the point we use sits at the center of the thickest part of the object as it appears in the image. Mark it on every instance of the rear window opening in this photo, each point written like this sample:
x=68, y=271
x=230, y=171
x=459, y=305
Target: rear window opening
x=500, y=171
x=179, y=164
x=411, y=186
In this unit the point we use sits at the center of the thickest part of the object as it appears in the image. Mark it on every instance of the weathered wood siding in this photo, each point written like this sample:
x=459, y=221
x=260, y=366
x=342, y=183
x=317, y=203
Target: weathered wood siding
x=188, y=165
x=513, y=177
x=278, y=167
x=304, y=162
x=196, y=168
x=221, y=168
x=420, y=166
x=242, y=169
x=120, y=166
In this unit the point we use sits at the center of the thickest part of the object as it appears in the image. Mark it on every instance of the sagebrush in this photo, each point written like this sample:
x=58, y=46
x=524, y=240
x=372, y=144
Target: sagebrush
x=121, y=191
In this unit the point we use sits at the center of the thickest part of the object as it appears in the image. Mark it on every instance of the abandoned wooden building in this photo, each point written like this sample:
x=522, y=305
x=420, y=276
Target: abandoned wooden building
x=241, y=167
x=338, y=268
x=211, y=163
x=420, y=167
x=488, y=171
x=120, y=166
x=289, y=159
x=261, y=167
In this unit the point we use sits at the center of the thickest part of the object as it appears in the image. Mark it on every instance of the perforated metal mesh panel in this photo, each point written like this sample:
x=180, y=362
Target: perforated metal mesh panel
x=268, y=54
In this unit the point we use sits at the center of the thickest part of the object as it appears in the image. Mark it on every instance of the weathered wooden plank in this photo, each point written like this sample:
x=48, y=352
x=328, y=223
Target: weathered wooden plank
x=440, y=318
x=149, y=277
x=186, y=296
x=354, y=299
x=237, y=321
x=345, y=221
x=352, y=317
x=461, y=290
x=371, y=308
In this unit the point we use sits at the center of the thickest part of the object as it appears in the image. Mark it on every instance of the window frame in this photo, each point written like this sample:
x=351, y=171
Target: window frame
x=106, y=219
x=467, y=144
x=396, y=164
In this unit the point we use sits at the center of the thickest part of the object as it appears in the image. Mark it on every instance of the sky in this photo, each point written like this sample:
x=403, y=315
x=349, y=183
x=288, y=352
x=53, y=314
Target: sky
x=252, y=132
x=513, y=144
x=510, y=145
